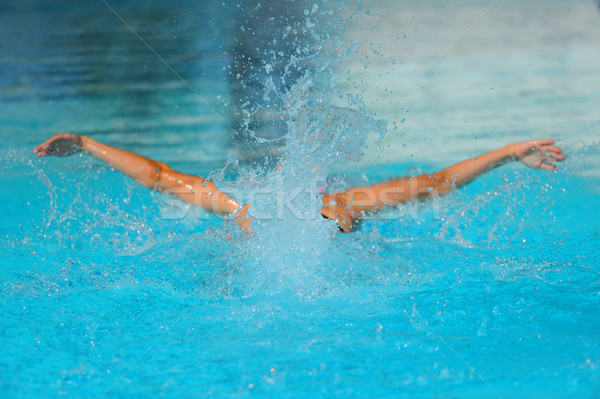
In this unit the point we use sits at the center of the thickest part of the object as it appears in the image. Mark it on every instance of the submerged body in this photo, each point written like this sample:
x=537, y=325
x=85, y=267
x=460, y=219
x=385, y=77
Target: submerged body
x=347, y=208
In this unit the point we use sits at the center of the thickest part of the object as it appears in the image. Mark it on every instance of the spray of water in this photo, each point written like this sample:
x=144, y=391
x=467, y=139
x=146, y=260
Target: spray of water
x=292, y=247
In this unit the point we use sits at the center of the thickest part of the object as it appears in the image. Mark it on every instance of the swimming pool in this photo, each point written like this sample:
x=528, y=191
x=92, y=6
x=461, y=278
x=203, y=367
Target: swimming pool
x=111, y=291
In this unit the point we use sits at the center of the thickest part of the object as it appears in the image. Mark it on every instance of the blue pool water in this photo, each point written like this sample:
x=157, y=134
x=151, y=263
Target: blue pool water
x=109, y=290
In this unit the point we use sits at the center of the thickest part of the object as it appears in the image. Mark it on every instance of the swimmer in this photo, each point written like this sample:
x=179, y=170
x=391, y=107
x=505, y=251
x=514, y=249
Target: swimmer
x=347, y=208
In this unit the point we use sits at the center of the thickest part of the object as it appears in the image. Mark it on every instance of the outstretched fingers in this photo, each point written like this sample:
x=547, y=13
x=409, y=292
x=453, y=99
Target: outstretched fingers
x=551, y=152
x=548, y=166
x=53, y=145
x=41, y=149
x=550, y=155
x=540, y=153
x=543, y=142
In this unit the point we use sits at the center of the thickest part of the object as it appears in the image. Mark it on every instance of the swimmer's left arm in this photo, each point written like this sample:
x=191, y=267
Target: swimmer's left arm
x=350, y=206
x=537, y=154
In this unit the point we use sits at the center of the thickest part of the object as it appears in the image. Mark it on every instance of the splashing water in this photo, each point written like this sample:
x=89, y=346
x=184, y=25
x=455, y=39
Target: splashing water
x=293, y=244
x=101, y=280
x=292, y=241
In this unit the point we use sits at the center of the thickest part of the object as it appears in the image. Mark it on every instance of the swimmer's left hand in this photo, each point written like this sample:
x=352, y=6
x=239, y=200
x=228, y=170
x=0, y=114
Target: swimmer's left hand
x=538, y=154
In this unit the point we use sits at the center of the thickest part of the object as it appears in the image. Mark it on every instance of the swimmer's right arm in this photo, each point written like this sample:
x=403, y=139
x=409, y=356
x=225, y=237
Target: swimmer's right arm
x=150, y=173
x=144, y=170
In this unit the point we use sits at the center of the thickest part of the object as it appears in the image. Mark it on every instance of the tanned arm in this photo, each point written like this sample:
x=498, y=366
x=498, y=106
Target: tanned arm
x=348, y=207
x=150, y=173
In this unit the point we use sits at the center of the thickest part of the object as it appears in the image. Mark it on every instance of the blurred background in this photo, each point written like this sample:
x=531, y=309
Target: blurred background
x=457, y=78
x=191, y=84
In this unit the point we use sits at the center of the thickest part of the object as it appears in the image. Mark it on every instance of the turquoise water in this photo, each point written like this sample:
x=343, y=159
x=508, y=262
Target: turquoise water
x=109, y=290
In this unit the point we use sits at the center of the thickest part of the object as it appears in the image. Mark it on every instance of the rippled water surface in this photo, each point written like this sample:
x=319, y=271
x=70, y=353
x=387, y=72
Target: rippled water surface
x=109, y=290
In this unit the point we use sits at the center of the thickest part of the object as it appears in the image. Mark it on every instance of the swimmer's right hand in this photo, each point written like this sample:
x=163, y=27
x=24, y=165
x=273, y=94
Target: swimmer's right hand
x=60, y=145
